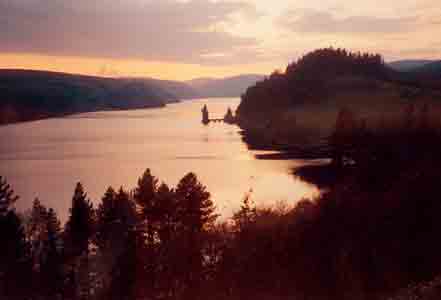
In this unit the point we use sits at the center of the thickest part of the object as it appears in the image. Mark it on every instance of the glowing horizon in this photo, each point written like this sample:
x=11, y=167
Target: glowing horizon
x=126, y=67
x=182, y=40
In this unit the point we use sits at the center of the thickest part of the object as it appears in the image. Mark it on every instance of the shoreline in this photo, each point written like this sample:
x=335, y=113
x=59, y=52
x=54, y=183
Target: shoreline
x=68, y=114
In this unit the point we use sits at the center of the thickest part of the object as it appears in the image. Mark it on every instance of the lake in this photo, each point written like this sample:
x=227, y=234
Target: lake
x=46, y=158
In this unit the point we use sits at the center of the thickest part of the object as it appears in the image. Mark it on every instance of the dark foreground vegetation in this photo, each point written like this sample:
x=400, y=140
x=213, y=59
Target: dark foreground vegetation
x=371, y=234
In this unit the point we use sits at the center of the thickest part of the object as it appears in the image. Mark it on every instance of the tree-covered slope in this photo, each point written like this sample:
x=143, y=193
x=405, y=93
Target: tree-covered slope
x=28, y=95
x=304, y=100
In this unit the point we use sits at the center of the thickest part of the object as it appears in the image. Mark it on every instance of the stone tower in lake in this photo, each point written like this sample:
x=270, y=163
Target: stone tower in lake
x=205, y=115
x=229, y=117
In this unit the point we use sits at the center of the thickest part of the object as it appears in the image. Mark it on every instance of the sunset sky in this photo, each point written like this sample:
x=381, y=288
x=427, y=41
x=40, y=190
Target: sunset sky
x=176, y=39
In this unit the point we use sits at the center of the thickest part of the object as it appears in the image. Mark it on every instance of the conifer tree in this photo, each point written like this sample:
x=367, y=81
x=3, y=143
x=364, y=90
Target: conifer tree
x=145, y=196
x=77, y=236
x=124, y=278
x=246, y=215
x=7, y=197
x=36, y=230
x=116, y=216
x=196, y=209
x=79, y=227
x=167, y=212
x=15, y=263
x=196, y=214
x=116, y=239
x=51, y=259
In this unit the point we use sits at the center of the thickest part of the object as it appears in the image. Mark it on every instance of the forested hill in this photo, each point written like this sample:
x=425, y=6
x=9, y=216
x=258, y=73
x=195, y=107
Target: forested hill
x=312, y=79
x=312, y=90
x=29, y=95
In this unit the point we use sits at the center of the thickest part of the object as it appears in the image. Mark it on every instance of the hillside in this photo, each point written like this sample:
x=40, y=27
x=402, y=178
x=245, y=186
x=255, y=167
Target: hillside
x=431, y=69
x=408, y=65
x=226, y=87
x=301, y=105
x=418, y=67
x=177, y=89
x=29, y=95
x=427, y=75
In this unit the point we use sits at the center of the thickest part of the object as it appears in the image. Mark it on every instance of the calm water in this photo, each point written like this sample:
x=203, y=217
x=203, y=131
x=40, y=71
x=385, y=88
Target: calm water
x=46, y=158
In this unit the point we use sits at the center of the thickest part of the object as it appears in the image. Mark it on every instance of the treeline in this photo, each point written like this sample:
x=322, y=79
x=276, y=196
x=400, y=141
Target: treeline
x=150, y=243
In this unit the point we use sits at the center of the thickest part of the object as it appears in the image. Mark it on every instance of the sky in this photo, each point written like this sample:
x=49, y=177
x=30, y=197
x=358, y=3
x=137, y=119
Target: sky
x=186, y=39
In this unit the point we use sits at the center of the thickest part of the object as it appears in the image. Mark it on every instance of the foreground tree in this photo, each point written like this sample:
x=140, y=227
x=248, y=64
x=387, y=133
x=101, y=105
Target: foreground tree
x=246, y=215
x=167, y=213
x=15, y=262
x=7, y=197
x=115, y=216
x=36, y=231
x=196, y=215
x=145, y=197
x=195, y=207
x=77, y=236
x=116, y=220
x=51, y=260
x=168, y=252
x=79, y=227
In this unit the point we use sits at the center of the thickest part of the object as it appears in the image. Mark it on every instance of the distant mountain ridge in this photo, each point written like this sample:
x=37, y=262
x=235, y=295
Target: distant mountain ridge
x=409, y=64
x=176, y=89
x=423, y=72
x=225, y=87
x=430, y=69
